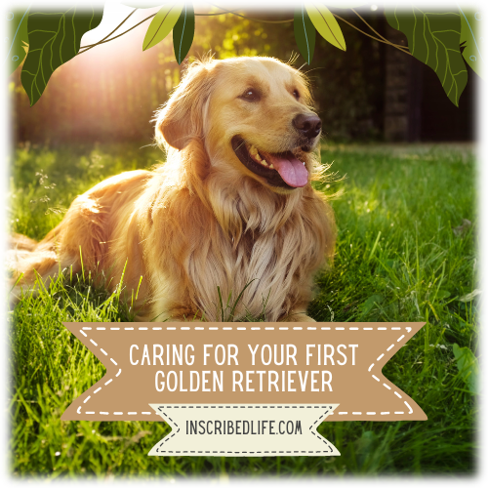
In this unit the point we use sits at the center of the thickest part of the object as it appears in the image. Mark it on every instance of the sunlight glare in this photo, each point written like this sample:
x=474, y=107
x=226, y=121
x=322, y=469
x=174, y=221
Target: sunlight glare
x=121, y=49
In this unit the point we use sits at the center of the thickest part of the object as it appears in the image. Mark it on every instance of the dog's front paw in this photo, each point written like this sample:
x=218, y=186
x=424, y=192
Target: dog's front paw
x=297, y=317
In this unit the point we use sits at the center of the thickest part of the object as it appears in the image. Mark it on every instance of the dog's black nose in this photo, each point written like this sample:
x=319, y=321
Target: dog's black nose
x=308, y=125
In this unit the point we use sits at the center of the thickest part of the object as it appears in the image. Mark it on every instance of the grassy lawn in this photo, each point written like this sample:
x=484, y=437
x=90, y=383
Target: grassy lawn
x=406, y=252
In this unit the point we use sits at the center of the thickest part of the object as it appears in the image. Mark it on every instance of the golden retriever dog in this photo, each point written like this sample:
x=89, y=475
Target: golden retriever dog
x=232, y=209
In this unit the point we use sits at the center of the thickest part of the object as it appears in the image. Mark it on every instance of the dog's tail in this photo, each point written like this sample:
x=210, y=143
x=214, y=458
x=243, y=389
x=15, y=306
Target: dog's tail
x=21, y=243
x=26, y=260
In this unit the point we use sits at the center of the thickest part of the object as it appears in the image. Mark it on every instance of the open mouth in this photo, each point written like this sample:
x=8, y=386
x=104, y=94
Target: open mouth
x=283, y=170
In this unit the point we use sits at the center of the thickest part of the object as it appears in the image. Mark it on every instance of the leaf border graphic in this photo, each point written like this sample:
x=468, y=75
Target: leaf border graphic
x=162, y=24
x=472, y=40
x=304, y=31
x=326, y=24
x=18, y=30
x=303, y=36
x=54, y=38
x=183, y=33
x=424, y=32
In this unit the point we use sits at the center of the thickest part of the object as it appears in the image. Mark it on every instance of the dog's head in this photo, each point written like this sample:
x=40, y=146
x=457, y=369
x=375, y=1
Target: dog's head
x=253, y=116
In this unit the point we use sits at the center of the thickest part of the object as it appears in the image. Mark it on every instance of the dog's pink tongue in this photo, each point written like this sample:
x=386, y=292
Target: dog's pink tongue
x=290, y=169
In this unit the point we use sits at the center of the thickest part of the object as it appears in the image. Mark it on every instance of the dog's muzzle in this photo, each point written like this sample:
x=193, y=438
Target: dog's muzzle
x=309, y=127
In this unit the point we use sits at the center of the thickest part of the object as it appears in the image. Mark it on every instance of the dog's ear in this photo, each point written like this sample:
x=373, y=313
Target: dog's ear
x=181, y=119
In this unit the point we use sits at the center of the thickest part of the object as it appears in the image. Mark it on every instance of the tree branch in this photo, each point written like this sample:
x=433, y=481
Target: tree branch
x=233, y=12
x=405, y=48
x=401, y=48
x=107, y=38
x=87, y=48
x=227, y=11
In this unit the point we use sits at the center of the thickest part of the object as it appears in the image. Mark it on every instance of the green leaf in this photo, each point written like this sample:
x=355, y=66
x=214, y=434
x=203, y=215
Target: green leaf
x=54, y=39
x=162, y=24
x=18, y=39
x=304, y=34
x=183, y=33
x=366, y=307
x=434, y=38
x=467, y=364
x=326, y=24
x=343, y=3
x=470, y=29
x=144, y=3
x=442, y=294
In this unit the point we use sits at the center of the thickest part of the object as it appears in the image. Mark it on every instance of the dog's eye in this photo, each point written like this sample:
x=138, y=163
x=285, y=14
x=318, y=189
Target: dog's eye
x=296, y=94
x=251, y=95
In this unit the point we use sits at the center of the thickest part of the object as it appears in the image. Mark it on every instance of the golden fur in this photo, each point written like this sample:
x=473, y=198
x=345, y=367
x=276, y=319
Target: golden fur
x=203, y=220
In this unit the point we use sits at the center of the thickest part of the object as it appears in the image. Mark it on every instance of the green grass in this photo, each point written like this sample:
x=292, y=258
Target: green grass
x=398, y=259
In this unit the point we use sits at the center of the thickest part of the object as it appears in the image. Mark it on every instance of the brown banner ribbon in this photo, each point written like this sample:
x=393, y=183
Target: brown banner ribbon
x=150, y=364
